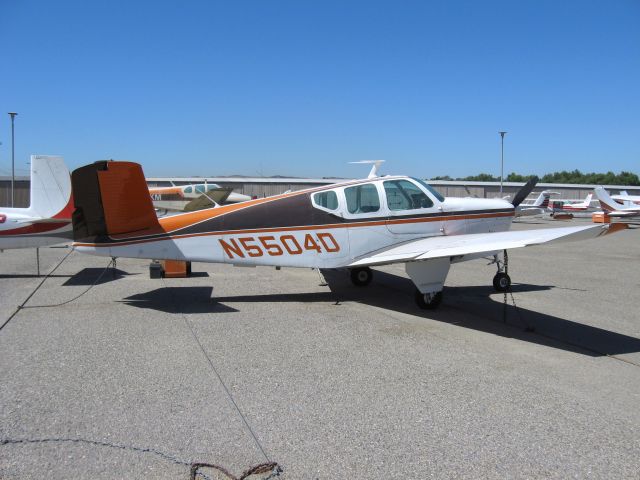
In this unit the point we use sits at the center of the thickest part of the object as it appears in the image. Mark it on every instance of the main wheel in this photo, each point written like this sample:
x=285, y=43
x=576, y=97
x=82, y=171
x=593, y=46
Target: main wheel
x=361, y=277
x=428, y=301
x=501, y=282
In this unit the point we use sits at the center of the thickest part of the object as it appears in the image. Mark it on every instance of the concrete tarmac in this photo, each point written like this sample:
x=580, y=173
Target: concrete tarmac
x=138, y=378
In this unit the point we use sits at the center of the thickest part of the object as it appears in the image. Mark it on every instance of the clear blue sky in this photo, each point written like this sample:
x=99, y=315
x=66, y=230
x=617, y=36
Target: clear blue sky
x=303, y=87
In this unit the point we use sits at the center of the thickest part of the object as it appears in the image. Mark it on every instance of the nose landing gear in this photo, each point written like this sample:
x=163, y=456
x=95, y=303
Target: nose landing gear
x=428, y=301
x=502, y=280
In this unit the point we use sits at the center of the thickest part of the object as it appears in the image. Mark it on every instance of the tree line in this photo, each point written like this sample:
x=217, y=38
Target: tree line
x=575, y=176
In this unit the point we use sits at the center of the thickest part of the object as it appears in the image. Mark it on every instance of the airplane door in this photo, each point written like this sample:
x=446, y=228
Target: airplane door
x=366, y=216
x=411, y=210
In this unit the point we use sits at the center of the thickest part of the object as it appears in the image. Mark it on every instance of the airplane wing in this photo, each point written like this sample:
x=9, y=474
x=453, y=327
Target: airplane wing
x=459, y=245
x=624, y=214
x=44, y=220
x=208, y=200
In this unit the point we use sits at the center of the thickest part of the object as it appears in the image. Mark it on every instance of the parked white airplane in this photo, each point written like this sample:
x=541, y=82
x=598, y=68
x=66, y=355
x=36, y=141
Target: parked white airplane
x=537, y=207
x=47, y=220
x=572, y=206
x=613, y=208
x=352, y=225
x=625, y=199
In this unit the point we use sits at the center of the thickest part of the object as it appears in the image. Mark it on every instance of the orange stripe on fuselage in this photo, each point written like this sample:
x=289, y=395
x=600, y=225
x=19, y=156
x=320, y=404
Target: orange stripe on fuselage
x=307, y=227
x=165, y=190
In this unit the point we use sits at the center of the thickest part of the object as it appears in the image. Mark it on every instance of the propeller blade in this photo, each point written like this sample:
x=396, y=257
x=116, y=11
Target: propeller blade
x=524, y=191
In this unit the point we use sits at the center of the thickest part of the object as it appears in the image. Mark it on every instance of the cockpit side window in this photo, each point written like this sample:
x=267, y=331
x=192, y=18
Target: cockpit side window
x=405, y=195
x=362, y=198
x=199, y=188
x=187, y=190
x=328, y=200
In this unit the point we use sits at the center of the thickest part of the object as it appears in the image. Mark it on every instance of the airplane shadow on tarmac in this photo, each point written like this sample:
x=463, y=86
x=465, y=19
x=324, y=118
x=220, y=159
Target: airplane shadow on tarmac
x=184, y=300
x=467, y=307
x=97, y=276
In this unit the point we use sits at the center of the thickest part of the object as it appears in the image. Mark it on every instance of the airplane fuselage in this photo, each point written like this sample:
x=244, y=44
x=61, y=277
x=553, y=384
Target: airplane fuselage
x=17, y=231
x=326, y=227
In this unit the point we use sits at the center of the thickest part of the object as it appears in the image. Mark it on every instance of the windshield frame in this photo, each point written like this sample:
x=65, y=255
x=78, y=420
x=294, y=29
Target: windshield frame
x=430, y=189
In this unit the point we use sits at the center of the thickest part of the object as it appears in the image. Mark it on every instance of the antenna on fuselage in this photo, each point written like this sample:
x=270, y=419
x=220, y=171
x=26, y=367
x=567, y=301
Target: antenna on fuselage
x=376, y=166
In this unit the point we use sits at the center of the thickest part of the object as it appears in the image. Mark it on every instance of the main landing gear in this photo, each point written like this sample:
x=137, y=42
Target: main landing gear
x=362, y=276
x=502, y=280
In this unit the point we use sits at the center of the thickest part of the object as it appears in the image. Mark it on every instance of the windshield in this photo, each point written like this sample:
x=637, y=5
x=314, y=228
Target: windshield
x=432, y=190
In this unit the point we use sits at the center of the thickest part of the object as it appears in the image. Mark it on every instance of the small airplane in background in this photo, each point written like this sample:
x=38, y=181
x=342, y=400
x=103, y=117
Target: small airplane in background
x=537, y=207
x=47, y=220
x=573, y=206
x=625, y=199
x=613, y=208
x=351, y=225
x=189, y=198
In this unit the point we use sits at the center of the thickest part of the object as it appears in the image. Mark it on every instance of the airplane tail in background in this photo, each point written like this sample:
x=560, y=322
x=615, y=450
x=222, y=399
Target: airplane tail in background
x=543, y=199
x=607, y=203
x=50, y=188
x=111, y=198
x=587, y=201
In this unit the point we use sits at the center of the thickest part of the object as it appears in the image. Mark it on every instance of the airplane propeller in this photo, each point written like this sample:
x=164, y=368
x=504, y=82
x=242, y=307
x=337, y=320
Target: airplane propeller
x=524, y=191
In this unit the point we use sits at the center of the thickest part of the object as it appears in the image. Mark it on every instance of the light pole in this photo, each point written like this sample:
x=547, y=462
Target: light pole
x=502, y=134
x=13, y=160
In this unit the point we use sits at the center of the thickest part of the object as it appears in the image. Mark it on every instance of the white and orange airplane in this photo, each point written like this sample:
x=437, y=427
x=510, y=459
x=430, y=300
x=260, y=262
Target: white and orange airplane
x=613, y=208
x=192, y=197
x=47, y=220
x=352, y=225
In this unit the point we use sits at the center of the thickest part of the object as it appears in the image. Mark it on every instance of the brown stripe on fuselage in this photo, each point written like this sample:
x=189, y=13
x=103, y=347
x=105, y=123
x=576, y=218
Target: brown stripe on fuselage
x=185, y=220
x=346, y=224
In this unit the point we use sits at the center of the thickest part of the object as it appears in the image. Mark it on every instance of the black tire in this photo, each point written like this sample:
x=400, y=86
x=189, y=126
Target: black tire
x=502, y=282
x=432, y=304
x=361, y=277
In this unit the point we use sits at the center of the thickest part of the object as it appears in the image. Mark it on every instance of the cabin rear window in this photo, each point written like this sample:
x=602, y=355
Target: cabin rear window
x=328, y=200
x=362, y=198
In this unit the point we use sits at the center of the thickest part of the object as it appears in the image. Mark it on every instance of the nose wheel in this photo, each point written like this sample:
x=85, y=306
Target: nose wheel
x=361, y=277
x=502, y=282
x=428, y=301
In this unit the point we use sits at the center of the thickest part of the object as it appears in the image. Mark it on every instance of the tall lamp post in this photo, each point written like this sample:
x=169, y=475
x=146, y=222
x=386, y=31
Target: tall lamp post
x=502, y=134
x=13, y=160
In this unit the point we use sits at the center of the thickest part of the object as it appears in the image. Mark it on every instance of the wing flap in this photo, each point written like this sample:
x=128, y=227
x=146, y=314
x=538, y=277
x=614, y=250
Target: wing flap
x=457, y=245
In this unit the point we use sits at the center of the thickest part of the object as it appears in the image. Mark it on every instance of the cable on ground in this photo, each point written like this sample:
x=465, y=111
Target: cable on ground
x=21, y=306
x=224, y=386
x=272, y=468
x=95, y=282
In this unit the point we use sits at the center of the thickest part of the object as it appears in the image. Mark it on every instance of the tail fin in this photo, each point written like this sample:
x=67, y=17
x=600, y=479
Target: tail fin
x=587, y=201
x=111, y=198
x=607, y=203
x=545, y=200
x=50, y=188
x=540, y=200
